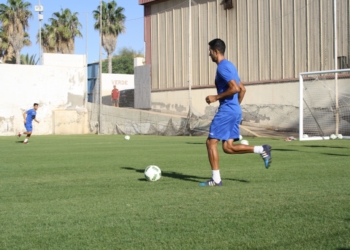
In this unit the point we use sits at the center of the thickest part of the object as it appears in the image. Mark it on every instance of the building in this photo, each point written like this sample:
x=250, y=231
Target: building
x=270, y=42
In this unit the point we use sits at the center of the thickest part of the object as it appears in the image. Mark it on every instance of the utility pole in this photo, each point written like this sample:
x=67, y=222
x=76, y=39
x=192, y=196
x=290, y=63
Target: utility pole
x=39, y=8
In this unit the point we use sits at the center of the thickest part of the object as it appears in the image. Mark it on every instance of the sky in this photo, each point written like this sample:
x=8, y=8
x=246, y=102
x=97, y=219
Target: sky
x=133, y=37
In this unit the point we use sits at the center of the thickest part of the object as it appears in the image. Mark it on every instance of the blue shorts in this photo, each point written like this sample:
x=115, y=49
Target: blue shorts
x=225, y=125
x=29, y=127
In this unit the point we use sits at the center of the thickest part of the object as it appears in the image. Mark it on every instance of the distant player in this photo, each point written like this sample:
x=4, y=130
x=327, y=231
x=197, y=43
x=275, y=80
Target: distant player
x=225, y=125
x=28, y=117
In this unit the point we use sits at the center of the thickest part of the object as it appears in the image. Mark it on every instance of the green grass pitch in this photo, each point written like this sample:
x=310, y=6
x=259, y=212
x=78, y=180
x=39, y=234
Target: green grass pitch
x=89, y=192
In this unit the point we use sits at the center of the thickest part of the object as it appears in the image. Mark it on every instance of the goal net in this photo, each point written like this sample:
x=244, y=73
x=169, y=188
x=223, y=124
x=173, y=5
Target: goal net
x=324, y=105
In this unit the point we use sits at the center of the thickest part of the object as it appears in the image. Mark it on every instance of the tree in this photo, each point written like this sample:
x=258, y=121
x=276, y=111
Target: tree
x=29, y=60
x=25, y=60
x=6, y=49
x=59, y=36
x=112, y=25
x=4, y=44
x=14, y=18
x=48, y=39
x=123, y=63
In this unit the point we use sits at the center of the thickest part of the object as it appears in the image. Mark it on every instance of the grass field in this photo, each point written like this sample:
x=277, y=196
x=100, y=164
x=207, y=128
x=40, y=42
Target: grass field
x=88, y=192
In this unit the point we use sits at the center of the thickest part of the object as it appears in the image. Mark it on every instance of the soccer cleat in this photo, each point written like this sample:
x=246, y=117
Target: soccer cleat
x=210, y=183
x=266, y=155
x=25, y=142
x=19, y=134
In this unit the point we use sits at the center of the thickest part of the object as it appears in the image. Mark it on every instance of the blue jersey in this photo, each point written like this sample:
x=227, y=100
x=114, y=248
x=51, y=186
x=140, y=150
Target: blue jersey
x=226, y=72
x=31, y=113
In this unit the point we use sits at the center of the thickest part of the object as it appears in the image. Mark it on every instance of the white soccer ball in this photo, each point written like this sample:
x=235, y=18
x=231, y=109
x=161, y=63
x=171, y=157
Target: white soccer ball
x=240, y=137
x=305, y=136
x=127, y=137
x=244, y=142
x=333, y=136
x=153, y=173
x=340, y=136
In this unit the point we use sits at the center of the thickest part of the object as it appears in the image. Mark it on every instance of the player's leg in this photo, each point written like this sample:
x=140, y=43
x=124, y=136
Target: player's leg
x=213, y=156
x=229, y=147
x=215, y=134
x=29, y=130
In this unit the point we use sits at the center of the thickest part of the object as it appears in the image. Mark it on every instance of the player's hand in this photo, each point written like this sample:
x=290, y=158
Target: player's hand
x=210, y=98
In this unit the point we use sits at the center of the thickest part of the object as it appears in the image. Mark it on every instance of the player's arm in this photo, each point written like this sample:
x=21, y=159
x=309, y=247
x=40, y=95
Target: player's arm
x=36, y=120
x=241, y=92
x=25, y=116
x=233, y=88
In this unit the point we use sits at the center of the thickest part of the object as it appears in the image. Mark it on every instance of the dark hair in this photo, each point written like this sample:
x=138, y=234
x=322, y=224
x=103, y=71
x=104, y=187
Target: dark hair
x=35, y=104
x=218, y=44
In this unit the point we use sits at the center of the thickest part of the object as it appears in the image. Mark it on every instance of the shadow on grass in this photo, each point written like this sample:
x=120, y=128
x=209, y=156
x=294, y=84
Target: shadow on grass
x=343, y=248
x=230, y=179
x=196, y=143
x=321, y=146
x=19, y=141
x=174, y=175
x=335, y=154
x=283, y=149
x=180, y=176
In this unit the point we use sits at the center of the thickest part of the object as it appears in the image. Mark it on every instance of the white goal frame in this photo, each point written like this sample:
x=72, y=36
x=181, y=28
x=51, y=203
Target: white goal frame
x=301, y=103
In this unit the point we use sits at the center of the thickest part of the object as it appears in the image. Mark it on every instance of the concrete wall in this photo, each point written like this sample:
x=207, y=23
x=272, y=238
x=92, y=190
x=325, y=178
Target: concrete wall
x=68, y=122
x=58, y=84
x=273, y=105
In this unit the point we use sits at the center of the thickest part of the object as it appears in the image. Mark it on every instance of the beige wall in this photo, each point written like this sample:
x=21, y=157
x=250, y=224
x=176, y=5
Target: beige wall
x=70, y=122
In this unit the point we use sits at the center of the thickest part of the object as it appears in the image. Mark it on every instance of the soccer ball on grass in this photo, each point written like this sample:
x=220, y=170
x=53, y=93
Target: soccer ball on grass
x=333, y=136
x=153, y=173
x=244, y=142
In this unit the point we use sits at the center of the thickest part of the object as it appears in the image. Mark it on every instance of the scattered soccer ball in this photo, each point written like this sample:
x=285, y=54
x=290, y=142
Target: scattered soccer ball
x=305, y=136
x=333, y=136
x=240, y=137
x=153, y=173
x=244, y=142
x=340, y=136
x=127, y=137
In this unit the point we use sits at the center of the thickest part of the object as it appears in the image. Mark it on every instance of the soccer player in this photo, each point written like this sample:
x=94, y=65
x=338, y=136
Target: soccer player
x=225, y=125
x=28, y=117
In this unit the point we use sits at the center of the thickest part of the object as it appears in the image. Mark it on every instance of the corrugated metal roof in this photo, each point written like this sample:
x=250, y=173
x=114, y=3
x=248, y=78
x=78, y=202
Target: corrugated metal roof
x=148, y=1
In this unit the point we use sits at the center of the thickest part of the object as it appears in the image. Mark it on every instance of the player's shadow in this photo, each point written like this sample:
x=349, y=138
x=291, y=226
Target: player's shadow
x=335, y=154
x=321, y=146
x=19, y=141
x=283, y=149
x=196, y=143
x=180, y=176
x=238, y=180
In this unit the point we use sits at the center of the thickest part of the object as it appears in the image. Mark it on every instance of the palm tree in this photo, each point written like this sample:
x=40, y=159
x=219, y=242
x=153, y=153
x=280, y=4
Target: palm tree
x=4, y=45
x=65, y=26
x=112, y=25
x=14, y=18
x=29, y=60
x=48, y=39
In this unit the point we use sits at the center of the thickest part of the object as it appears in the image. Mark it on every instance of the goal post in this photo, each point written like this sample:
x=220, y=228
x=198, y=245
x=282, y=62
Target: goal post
x=324, y=105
